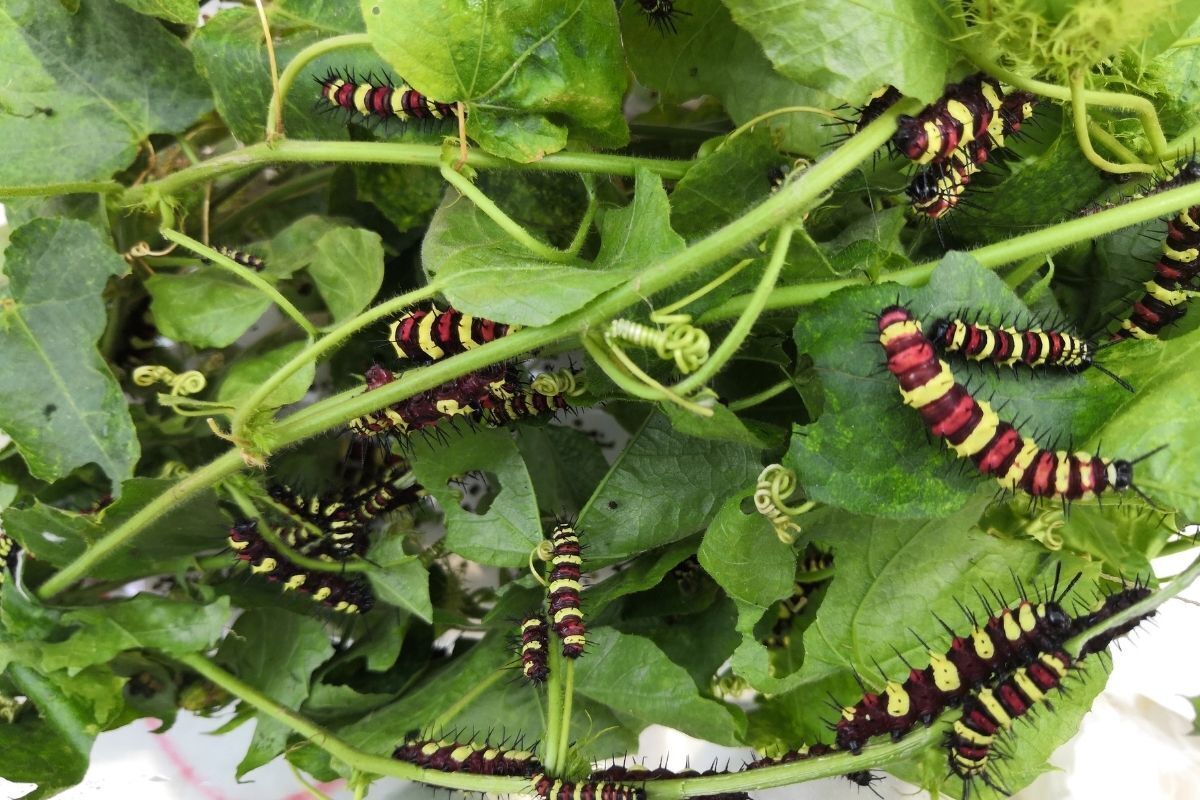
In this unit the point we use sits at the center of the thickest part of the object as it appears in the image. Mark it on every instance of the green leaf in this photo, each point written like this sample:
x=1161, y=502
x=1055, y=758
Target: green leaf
x=891, y=465
x=643, y=573
x=509, y=529
x=58, y=537
x=183, y=12
x=639, y=234
x=683, y=67
x=206, y=308
x=247, y=374
x=723, y=424
x=52, y=747
x=295, y=247
x=1160, y=372
x=58, y=399
x=822, y=43
x=77, y=73
x=230, y=54
x=400, y=580
x=627, y=516
x=531, y=74
x=407, y=195
x=630, y=675
x=564, y=464
x=379, y=731
x=348, y=270
x=275, y=652
x=742, y=553
x=725, y=184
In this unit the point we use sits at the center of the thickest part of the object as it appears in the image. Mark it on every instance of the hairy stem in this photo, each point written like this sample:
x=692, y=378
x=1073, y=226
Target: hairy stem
x=1080, y=118
x=244, y=274
x=291, y=151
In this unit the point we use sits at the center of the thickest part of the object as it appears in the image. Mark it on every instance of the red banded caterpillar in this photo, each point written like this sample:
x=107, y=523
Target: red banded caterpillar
x=972, y=110
x=8, y=554
x=374, y=99
x=937, y=190
x=639, y=773
x=426, y=335
x=661, y=14
x=340, y=594
x=1166, y=296
x=1007, y=346
x=555, y=789
x=992, y=711
x=973, y=430
x=338, y=534
x=789, y=608
x=566, y=617
x=814, y=566
x=535, y=645
x=445, y=755
x=1010, y=638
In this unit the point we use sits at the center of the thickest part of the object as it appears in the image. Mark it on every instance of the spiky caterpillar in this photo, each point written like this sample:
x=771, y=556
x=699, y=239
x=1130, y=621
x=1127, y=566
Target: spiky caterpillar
x=975, y=109
x=1165, y=299
x=661, y=14
x=535, y=646
x=991, y=711
x=335, y=591
x=1112, y=604
x=1008, y=639
x=426, y=334
x=8, y=554
x=566, y=616
x=245, y=259
x=474, y=758
x=367, y=97
x=936, y=190
x=973, y=430
x=549, y=788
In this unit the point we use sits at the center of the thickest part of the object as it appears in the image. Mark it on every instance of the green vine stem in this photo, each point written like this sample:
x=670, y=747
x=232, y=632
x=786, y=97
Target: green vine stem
x=749, y=401
x=513, y=228
x=53, y=189
x=302, y=60
x=363, y=762
x=1046, y=240
x=242, y=273
x=785, y=205
x=1111, y=142
x=292, y=151
x=1144, y=109
x=331, y=340
x=564, y=733
x=1080, y=118
x=554, y=703
x=447, y=716
x=745, y=321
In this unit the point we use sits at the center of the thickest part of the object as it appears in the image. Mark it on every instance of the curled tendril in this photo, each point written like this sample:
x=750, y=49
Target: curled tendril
x=775, y=483
x=544, y=552
x=1048, y=530
x=143, y=249
x=563, y=381
x=182, y=384
x=678, y=340
x=174, y=470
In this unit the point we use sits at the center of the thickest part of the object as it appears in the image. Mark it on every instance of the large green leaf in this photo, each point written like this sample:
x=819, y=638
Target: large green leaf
x=87, y=98
x=52, y=747
x=245, y=376
x=57, y=537
x=630, y=675
x=626, y=515
x=58, y=400
x=682, y=67
x=348, y=270
x=183, y=12
x=824, y=43
x=640, y=234
x=207, y=308
x=742, y=553
x=509, y=529
x=275, y=652
x=230, y=53
x=399, y=579
x=531, y=75
x=724, y=184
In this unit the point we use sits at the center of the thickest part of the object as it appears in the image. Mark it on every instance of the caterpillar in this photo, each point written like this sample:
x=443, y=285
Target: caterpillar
x=477, y=759
x=368, y=97
x=555, y=789
x=8, y=554
x=339, y=534
x=426, y=335
x=989, y=712
x=974, y=109
x=973, y=430
x=1008, y=639
x=245, y=259
x=937, y=190
x=802, y=753
x=342, y=595
x=789, y=608
x=884, y=98
x=1182, y=173
x=814, y=561
x=1165, y=299
x=535, y=644
x=638, y=773
x=566, y=617
x=661, y=14
x=461, y=397
x=1112, y=604
x=497, y=412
